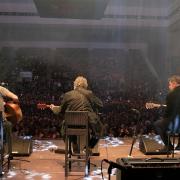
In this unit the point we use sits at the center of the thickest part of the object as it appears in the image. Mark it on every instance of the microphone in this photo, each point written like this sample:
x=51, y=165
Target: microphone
x=113, y=164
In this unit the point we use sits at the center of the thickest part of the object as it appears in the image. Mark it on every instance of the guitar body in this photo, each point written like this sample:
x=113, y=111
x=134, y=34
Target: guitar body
x=13, y=112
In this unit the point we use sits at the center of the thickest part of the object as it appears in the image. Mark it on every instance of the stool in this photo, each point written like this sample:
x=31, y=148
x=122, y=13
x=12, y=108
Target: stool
x=174, y=131
x=76, y=123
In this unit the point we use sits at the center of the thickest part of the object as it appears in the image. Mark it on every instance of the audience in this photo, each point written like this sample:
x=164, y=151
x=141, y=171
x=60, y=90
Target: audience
x=120, y=96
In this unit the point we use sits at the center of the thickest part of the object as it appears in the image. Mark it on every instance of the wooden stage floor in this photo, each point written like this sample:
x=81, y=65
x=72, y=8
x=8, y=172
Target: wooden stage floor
x=44, y=164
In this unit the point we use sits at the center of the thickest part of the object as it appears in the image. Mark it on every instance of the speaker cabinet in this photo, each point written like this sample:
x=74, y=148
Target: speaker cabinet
x=151, y=144
x=21, y=146
x=148, y=169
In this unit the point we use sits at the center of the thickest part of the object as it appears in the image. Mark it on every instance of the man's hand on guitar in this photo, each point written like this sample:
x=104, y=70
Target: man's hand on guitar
x=51, y=106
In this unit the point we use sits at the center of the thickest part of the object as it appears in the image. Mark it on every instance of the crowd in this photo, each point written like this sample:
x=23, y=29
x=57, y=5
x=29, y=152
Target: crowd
x=124, y=101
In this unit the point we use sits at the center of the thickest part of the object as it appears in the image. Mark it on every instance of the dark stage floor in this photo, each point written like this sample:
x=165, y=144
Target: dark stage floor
x=44, y=164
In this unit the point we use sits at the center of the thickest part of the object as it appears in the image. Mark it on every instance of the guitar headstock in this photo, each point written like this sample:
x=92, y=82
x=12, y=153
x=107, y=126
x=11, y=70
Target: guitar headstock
x=42, y=106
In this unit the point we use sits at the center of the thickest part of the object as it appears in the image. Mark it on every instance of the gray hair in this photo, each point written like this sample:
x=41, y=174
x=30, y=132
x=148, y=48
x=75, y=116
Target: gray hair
x=80, y=81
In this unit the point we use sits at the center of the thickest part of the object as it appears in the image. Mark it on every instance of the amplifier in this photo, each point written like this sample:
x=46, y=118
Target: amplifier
x=22, y=146
x=148, y=168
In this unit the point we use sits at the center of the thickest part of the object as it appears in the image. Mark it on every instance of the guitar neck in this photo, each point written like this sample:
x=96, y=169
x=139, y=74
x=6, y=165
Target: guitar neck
x=159, y=105
x=55, y=109
x=43, y=106
x=164, y=105
x=154, y=105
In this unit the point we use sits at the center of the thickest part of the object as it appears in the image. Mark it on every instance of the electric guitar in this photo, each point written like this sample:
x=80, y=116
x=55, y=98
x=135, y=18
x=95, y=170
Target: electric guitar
x=154, y=105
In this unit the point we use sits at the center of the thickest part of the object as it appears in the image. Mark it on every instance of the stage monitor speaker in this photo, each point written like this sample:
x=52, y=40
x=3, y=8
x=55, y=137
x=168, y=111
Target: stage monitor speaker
x=148, y=169
x=22, y=146
x=151, y=144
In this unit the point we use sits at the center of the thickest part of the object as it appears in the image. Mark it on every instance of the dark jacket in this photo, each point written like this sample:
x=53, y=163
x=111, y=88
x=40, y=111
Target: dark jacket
x=82, y=99
x=173, y=105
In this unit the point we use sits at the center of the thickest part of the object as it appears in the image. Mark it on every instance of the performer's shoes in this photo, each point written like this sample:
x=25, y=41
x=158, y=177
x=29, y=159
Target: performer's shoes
x=95, y=154
x=90, y=151
x=59, y=151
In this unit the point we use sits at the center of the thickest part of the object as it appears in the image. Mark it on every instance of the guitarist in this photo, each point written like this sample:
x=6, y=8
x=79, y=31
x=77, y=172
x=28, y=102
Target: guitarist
x=172, y=112
x=7, y=126
x=82, y=99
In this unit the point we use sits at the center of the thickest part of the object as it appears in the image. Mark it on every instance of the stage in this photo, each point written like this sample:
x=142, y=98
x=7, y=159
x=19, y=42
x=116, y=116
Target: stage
x=44, y=163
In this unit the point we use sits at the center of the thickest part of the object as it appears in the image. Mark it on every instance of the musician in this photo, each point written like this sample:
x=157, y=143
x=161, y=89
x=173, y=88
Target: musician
x=172, y=111
x=82, y=99
x=4, y=92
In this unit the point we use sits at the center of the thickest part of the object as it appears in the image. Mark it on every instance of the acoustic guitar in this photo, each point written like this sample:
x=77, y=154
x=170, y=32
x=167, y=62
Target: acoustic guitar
x=13, y=112
x=55, y=109
x=154, y=105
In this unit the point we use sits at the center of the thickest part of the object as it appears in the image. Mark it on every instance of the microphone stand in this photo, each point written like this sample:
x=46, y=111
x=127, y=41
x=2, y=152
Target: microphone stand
x=111, y=166
x=109, y=171
x=135, y=133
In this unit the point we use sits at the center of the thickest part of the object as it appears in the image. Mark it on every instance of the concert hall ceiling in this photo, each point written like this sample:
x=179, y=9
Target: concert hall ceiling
x=86, y=21
x=91, y=24
x=73, y=9
x=84, y=9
